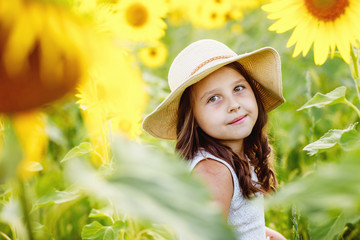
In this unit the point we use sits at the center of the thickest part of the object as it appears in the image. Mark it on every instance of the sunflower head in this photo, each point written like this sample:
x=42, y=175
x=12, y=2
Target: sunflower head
x=137, y=15
x=326, y=10
x=153, y=56
x=42, y=47
x=326, y=25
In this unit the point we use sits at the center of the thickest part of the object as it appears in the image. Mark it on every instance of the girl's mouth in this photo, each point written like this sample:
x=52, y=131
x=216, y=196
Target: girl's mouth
x=238, y=120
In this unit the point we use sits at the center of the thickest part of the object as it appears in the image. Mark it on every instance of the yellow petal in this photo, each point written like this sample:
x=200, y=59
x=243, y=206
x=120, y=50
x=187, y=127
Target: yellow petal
x=20, y=43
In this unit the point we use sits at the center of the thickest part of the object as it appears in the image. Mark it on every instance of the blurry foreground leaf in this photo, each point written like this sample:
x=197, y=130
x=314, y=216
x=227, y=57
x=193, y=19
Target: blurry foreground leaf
x=328, y=140
x=329, y=197
x=156, y=187
x=321, y=100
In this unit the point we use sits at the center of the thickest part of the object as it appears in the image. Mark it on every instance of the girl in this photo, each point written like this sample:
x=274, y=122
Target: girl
x=217, y=112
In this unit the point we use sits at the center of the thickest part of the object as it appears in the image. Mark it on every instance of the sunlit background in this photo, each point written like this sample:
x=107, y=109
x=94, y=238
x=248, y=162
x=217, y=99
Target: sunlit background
x=78, y=76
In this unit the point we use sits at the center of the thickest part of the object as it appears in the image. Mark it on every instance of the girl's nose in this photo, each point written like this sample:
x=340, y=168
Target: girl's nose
x=233, y=105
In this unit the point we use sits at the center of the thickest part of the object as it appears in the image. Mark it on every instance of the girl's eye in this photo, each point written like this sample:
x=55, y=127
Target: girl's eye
x=238, y=88
x=213, y=99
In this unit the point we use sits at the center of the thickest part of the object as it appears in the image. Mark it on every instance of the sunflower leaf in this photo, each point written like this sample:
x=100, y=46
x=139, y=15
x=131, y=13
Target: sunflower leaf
x=350, y=140
x=82, y=149
x=328, y=140
x=96, y=231
x=321, y=100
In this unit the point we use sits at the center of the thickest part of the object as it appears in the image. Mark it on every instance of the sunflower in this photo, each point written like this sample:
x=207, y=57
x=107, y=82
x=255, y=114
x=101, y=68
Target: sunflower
x=328, y=24
x=43, y=50
x=112, y=100
x=155, y=56
x=140, y=21
x=209, y=14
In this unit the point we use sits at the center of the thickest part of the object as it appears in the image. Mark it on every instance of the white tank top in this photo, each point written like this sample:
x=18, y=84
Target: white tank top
x=245, y=216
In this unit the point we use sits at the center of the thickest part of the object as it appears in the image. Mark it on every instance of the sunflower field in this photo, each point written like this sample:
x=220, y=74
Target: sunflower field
x=78, y=76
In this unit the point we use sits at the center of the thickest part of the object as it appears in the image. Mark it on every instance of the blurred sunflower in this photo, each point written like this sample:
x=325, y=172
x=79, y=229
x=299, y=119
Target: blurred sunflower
x=155, y=56
x=112, y=100
x=328, y=24
x=209, y=14
x=140, y=21
x=178, y=11
x=44, y=50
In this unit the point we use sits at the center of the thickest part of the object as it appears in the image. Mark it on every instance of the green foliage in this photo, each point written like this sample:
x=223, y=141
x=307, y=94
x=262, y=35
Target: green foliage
x=96, y=231
x=331, y=138
x=321, y=100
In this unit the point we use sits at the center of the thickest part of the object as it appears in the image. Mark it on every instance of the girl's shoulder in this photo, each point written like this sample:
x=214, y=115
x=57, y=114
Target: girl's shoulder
x=203, y=155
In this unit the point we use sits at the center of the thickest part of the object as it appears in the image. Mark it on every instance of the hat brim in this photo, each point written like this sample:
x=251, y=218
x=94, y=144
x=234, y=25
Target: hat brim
x=262, y=65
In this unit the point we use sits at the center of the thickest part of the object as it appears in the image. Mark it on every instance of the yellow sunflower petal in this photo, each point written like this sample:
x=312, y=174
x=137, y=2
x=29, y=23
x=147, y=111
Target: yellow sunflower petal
x=321, y=45
x=23, y=34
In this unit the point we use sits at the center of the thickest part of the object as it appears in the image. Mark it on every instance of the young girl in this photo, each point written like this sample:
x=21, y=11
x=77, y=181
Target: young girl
x=217, y=112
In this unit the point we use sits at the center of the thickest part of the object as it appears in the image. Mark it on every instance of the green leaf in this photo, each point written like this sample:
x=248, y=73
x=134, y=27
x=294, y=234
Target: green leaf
x=82, y=149
x=154, y=186
x=350, y=140
x=96, y=231
x=34, y=166
x=321, y=100
x=328, y=140
x=57, y=197
x=101, y=215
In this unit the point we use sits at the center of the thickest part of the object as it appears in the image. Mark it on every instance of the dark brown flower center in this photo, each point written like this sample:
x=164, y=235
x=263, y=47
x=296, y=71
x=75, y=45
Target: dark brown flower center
x=153, y=52
x=137, y=15
x=326, y=10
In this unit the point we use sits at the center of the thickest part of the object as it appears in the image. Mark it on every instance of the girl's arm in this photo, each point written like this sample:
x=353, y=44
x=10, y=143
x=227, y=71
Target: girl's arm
x=218, y=178
x=273, y=235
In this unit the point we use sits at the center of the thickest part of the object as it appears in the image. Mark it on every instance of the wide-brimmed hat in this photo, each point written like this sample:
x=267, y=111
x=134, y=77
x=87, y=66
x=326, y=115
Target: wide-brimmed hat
x=203, y=57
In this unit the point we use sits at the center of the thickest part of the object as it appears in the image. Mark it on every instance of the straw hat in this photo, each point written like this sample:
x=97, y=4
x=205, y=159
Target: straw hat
x=203, y=57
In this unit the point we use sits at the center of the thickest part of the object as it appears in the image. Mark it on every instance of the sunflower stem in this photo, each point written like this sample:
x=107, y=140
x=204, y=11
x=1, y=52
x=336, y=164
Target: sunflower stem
x=354, y=66
x=24, y=206
x=352, y=106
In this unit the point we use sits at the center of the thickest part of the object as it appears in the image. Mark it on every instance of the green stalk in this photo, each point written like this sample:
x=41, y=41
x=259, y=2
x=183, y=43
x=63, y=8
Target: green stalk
x=24, y=206
x=5, y=236
x=352, y=106
x=354, y=66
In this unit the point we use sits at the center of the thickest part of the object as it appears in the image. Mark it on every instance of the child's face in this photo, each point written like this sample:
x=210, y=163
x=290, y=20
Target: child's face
x=225, y=106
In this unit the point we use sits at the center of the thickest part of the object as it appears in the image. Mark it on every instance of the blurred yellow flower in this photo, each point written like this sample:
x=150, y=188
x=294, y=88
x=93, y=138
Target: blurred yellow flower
x=44, y=50
x=249, y=4
x=30, y=130
x=210, y=13
x=140, y=21
x=155, y=56
x=178, y=11
x=327, y=24
x=112, y=100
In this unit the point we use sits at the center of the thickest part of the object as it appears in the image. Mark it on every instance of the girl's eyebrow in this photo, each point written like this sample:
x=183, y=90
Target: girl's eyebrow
x=209, y=93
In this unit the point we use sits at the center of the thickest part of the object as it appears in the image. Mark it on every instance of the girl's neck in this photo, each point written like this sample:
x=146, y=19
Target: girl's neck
x=236, y=146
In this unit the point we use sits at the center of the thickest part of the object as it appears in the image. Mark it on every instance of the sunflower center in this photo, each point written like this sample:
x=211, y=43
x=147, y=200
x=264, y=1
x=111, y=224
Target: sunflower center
x=326, y=10
x=153, y=53
x=136, y=15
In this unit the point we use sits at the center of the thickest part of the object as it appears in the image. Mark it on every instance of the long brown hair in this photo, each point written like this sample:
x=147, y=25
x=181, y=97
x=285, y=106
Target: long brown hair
x=190, y=138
